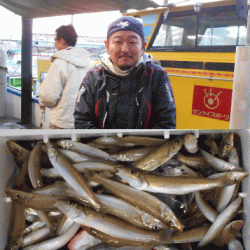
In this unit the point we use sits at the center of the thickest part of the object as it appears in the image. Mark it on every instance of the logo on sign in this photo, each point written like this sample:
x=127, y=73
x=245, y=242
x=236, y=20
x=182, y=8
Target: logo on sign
x=212, y=102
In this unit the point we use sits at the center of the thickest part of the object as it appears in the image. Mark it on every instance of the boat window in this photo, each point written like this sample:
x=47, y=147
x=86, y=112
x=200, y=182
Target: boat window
x=177, y=31
x=221, y=29
x=214, y=29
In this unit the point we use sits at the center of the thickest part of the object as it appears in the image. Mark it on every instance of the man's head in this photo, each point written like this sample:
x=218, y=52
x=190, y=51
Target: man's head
x=125, y=42
x=65, y=36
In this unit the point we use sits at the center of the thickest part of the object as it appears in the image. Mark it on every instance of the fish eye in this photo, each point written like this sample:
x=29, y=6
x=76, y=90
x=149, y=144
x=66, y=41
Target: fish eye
x=133, y=171
x=183, y=171
x=18, y=196
x=160, y=170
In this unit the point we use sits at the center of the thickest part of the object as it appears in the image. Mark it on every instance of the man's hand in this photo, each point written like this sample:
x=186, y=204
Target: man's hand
x=42, y=107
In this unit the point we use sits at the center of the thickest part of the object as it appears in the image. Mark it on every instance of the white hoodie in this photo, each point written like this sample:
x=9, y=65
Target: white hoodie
x=60, y=87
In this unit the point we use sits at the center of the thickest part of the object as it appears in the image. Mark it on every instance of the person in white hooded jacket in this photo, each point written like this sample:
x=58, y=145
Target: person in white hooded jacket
x=65, y=75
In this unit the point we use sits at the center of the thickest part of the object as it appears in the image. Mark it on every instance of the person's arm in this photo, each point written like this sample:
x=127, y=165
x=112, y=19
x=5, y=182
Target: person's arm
x=84, y=113
x=52, y=87
x=164, y=103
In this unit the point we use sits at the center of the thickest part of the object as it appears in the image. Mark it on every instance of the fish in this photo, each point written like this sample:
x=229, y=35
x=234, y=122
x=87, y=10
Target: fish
x=193, y=220
x=129, y=213
x=81, y=167
x=85, y=149
x=56, y=242
x=34, y=226
x=235, y=244
x=34, y=165
x=220, y=165
x=112, y=226
x=220, y=222
x=228, y=233
x=161, y=155
x=194, y=161
x=191, y=143
x=209, y=212
x=226, y=145
x=109, y=240
x=63, y=225
x=75, y=157
x=20, y=153
x=103, y=246
x=110, y=204
x=72, y=176
x=147, y=202
x=126, y=141
x=233, y=157
x=35, y=201
x=190, y=236
x=132, y=154
x=211, y=143
x=225, y=195
x=36, y=236
x=16, y=227
x=176, y=185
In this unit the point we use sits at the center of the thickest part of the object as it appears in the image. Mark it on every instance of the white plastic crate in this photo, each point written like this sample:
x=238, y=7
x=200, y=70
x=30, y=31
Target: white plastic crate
x=8, y=165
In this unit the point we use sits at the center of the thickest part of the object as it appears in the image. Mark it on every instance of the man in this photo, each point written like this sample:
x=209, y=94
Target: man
x=127, y=91
x=60, y=87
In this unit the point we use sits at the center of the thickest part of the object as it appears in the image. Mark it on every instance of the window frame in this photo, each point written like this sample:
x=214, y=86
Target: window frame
x=220, y=48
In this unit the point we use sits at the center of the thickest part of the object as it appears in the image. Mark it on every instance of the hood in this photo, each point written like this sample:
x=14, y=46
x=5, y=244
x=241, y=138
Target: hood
x=80, y=57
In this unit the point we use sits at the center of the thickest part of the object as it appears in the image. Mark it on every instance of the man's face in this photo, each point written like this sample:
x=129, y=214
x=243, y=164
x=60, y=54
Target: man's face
x=60, y=43
x=125, y=48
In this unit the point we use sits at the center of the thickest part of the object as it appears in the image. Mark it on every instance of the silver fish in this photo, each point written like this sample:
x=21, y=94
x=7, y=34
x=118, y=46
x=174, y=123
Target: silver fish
x=161, y=155
x=127, y=141
x=220, y=222
x=81, y=167
x=176, y=185
x=72, y=176
x=85, y=149
x=36, y=236
x=220, y=165
x=209, y=212
x=226, y=145
x=133, y=154
x=112, y=226
x=130, y=213
x=147, y=202
x=56, y=242
x=34, y=165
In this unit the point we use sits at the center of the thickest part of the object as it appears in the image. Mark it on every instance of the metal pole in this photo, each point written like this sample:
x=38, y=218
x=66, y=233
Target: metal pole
x=26, y=72
x=248, y=29
x=240, y=107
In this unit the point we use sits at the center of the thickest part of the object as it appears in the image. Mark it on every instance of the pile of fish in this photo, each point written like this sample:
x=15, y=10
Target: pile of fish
x=131, y=192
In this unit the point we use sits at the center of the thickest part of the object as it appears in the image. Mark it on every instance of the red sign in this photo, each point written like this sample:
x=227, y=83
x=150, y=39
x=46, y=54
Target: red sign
x=212, y=102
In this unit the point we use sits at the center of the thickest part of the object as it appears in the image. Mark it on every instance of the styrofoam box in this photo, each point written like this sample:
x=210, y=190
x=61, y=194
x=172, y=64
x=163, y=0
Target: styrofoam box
x=8, y=165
